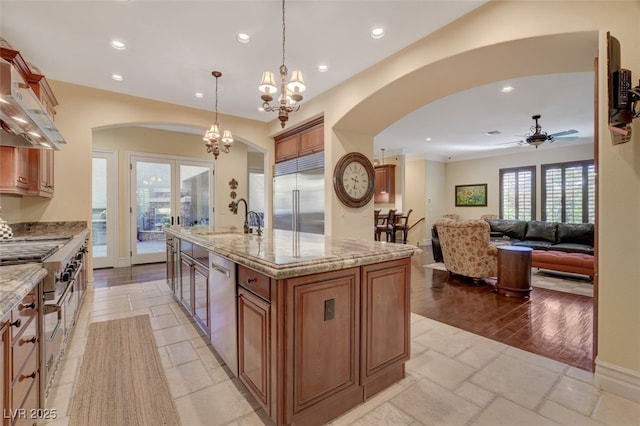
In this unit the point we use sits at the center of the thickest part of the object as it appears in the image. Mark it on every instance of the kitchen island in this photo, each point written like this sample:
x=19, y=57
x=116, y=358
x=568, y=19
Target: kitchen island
x=312, y=325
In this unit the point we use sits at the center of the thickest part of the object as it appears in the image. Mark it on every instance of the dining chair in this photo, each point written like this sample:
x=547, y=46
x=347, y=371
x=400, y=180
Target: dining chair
x=386, y=225
x=402, y=225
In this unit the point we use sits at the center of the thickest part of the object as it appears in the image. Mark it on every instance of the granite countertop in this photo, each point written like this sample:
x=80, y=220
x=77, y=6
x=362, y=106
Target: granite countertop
x=16, y=281
x=285, y=254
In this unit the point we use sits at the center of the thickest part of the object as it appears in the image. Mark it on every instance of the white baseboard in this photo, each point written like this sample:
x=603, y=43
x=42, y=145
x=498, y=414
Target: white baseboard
x=123, y=261
x=618, y=380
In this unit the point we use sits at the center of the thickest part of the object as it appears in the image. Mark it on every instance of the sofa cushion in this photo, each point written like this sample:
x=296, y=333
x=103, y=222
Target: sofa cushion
x=534, y=244
x=541, y=231
x=577, y=233
x=514, y=229
x=572, y=248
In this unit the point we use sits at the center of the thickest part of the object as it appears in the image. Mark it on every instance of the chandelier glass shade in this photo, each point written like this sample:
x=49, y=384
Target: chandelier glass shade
x=290, y=93
x=213, y=142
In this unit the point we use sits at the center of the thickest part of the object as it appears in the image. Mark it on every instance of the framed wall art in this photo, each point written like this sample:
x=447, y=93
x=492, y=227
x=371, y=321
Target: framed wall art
x=471, y=195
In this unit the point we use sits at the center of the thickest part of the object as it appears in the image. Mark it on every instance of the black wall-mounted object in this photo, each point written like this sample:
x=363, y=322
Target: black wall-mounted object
x=624, y=99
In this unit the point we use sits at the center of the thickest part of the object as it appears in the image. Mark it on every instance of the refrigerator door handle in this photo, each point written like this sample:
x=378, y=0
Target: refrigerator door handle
x=296, y=210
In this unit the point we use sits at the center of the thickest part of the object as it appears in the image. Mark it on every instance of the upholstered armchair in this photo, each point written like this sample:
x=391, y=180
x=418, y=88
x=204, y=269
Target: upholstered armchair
x=466, y=248
x=452, y=216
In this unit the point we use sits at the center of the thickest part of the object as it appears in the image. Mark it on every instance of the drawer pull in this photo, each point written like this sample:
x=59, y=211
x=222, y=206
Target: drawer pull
x=28, y=376
x=251, y=280
x=17, y=323
x=31, y=305
x=32, y=340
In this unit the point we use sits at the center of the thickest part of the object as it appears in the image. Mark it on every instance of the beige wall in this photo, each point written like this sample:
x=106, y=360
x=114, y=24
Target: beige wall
x=487, y=171
x=415, y=195
x=436, y=189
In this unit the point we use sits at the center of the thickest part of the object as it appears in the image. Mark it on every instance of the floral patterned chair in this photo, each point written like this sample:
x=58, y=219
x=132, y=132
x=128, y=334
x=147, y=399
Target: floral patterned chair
x=466, y=248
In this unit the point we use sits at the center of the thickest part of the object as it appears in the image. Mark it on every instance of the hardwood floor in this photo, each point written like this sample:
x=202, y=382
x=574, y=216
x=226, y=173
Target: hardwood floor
x=550, y=323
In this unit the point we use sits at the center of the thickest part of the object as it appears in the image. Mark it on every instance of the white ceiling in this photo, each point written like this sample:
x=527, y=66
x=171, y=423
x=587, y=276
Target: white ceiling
x=172, y=47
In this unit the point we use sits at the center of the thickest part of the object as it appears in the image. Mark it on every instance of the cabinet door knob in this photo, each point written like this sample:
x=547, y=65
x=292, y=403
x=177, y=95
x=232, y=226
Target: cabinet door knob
x=251, y=280
x=27, y=376
x=17, y=323
x=32, y=340
x=31, y=305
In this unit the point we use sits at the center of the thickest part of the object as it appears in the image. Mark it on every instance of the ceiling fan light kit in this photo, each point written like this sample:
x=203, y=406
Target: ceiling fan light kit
x=538, y=136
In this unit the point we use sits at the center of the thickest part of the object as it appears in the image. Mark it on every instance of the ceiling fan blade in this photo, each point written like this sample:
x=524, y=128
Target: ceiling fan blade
x=566, y=138
x=511, y=143
x=566, y=132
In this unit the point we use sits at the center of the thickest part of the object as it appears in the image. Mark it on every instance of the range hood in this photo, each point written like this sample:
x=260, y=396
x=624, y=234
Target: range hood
x=23, y=118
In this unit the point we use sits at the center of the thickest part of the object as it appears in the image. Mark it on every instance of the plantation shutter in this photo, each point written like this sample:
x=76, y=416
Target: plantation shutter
x=517, y=193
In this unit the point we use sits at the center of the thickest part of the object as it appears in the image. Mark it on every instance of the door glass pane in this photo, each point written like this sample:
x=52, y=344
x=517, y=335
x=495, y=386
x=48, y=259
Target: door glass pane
x=153, y=206
x=99, y=208
x=194, y=195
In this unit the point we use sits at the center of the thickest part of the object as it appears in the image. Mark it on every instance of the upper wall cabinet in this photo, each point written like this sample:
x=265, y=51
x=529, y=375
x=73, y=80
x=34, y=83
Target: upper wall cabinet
x=385, y=188
x=305, y=139
x=26, y=171
x=27, y=104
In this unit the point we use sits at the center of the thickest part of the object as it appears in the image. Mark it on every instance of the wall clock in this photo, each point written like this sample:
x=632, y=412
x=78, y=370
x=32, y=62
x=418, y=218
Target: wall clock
x=353, y=179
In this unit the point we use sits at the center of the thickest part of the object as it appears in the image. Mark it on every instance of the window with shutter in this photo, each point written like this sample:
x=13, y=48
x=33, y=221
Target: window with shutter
x=568, y=192
x=517, y=193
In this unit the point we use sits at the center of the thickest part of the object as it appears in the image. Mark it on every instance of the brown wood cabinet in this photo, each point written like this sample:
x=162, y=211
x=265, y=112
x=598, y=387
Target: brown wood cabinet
x=287, y=148
x=254, y=341
x=14, y=170
x=26, y=171
x=20, y=354
x=41, y=172
x=385, y=187
x=312, y=347
x=305, y=139
x=194, y=284
x=312, y=141
x=5, y=372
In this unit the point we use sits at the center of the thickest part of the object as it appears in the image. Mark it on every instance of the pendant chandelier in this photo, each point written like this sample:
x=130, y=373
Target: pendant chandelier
x=212, y=136
x=290, y=94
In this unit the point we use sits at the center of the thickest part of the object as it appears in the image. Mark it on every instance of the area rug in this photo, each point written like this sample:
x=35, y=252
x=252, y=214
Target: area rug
x=121, y=380
x=567, y=283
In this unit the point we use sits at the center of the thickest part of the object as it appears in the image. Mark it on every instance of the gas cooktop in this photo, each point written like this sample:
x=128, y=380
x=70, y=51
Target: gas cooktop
x=30, y=249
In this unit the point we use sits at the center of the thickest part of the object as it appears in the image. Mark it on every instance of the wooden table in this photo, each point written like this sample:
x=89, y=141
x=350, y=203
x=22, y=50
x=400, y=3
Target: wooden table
x=514, y=271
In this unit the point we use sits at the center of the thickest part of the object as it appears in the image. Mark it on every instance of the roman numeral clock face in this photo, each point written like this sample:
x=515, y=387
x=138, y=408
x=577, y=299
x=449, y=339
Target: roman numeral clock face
x=353, y=180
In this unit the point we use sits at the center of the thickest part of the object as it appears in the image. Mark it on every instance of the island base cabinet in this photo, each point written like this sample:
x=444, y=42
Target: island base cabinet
x=253, y=347
x=323, y=325
x=386, y=313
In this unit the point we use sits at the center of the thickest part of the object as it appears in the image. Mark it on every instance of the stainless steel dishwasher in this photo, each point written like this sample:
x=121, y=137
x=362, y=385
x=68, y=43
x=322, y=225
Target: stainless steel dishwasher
x=222, y=309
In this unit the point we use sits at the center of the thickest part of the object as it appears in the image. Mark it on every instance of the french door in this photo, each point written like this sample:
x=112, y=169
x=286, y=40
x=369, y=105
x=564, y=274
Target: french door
x=104, y=207
x=166, y=192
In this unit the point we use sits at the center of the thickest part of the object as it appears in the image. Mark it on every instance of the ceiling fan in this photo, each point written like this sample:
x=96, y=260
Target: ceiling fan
x=537, y=137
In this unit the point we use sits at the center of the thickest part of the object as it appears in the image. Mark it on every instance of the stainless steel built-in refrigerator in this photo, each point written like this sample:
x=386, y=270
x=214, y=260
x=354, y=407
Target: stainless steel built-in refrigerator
x=298, y=194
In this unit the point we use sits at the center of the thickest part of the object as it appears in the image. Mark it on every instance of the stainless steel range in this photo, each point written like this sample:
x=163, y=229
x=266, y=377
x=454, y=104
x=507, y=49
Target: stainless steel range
x=63, y=288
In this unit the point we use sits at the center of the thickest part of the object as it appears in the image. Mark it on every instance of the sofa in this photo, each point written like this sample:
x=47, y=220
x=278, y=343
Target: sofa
x=564, y=247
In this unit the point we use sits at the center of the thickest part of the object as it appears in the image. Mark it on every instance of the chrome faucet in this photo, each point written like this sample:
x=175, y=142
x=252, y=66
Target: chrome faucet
x=234, y=210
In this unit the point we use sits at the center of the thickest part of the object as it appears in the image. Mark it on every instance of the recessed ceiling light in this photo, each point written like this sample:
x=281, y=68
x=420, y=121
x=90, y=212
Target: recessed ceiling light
x=507, y=89
x=118, y=45
x=117, y=77
x=243, y=38
x=260, y=109
x=428, y=139
x=323, y=68
x=377, y=33
x=199, y=95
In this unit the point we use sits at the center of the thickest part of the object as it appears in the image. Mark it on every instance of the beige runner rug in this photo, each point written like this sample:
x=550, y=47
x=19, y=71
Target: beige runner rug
x=121, y=379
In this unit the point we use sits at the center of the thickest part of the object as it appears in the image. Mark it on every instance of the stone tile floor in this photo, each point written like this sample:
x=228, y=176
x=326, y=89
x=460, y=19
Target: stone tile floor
x=453, y=378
